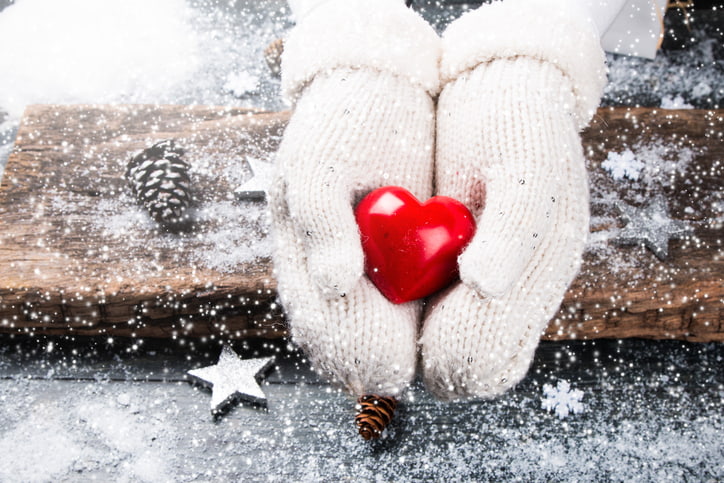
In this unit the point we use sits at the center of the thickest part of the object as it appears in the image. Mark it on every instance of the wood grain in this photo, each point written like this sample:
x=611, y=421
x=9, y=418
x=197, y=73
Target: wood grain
x=67, y=270
x=626, y=291
x=77, y=256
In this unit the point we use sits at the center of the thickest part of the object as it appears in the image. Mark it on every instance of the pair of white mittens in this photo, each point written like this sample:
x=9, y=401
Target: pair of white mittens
x=502, y=138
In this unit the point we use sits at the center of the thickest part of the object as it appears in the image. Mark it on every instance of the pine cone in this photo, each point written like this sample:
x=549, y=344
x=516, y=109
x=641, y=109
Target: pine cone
x=159, y=180
x=374, y=413
x=273, y=56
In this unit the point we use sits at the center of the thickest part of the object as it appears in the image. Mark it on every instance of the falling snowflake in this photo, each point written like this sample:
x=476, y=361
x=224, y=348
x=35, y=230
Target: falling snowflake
x=623, y=165
x=562, y=399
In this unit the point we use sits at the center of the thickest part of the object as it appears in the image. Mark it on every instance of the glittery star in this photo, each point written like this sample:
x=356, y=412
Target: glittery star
x=650, y=225
x=232, y=377
x=256, y=187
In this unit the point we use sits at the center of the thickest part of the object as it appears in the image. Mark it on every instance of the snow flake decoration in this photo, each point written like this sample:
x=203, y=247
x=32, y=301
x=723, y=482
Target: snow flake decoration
x=651, y=226
x=623, y=165
x=562, y=399
x=256, y=187
x=231, y=378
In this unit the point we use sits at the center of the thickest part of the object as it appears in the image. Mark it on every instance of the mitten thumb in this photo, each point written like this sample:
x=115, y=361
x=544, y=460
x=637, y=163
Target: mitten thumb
x=326, y=227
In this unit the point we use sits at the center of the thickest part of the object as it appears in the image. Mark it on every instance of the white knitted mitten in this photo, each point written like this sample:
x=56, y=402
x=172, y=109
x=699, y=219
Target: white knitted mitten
x=514, y=99
x=364, y=73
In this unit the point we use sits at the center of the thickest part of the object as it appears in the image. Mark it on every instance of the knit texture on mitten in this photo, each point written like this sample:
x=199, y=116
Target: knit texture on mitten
x=355, y=128
x=352, y=131
x=508, y=147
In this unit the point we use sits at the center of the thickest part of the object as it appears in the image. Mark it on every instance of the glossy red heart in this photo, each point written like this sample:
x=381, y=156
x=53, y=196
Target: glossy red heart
x=411, y=248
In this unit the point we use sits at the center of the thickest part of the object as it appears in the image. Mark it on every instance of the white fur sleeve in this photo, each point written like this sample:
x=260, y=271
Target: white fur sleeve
x=376, y=34
x=565, y=37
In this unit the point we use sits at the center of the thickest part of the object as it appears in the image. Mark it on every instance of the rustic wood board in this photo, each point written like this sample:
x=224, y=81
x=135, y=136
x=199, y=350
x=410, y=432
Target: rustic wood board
x=77, y=256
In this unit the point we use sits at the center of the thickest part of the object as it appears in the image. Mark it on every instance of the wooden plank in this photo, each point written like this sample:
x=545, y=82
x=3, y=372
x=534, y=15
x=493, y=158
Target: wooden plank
x=78, y=257
x=682, y=297
x=65, y=270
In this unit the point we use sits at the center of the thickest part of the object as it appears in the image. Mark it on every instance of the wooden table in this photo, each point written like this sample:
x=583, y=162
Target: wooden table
x=77, y=256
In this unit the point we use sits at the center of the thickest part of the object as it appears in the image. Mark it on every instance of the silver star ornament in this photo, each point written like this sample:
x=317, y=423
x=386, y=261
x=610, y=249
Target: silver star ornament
x=232, y=377
x=256, y=187
x=650, y=225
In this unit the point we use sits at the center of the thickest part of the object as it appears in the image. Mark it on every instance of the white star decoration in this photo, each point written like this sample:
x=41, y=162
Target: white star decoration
x=652, y=226
x=256, y=187
x=232, y=377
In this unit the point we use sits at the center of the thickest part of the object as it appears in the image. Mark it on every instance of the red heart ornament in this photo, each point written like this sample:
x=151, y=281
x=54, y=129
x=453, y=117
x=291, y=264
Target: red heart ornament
x=411, y=248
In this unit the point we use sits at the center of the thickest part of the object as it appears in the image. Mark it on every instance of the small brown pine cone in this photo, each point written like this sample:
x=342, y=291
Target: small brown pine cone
x=273, y=56
x=374, y=413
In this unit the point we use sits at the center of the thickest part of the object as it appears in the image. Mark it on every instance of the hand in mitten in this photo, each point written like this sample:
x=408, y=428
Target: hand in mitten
x=515, y=96
x=362, y=73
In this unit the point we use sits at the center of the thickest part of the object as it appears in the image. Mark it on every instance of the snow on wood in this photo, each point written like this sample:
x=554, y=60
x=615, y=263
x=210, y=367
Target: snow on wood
x=78, y=256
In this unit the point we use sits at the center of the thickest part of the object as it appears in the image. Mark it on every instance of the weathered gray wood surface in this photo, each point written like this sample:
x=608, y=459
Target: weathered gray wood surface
x=78, y=257
x=85, y=410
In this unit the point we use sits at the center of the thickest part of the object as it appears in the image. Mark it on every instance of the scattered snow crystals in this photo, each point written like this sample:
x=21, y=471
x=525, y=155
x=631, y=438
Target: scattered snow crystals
x=701, y=89
x=160, y=52
x=623, y=165
x=262, y=174
x=238, y=236
x=640, y=172
x=235, y=233
x=124, y=399
x=88, y=432
x=4, y=153
x=654, y=164
x=131, y=51
x=677, y=102
x=562, y=399
x=689, y=73
x=241, y=84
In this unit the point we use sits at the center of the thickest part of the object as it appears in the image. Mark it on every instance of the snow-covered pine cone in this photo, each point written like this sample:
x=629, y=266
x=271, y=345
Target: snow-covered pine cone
x=159, y=179
x=273, y=56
